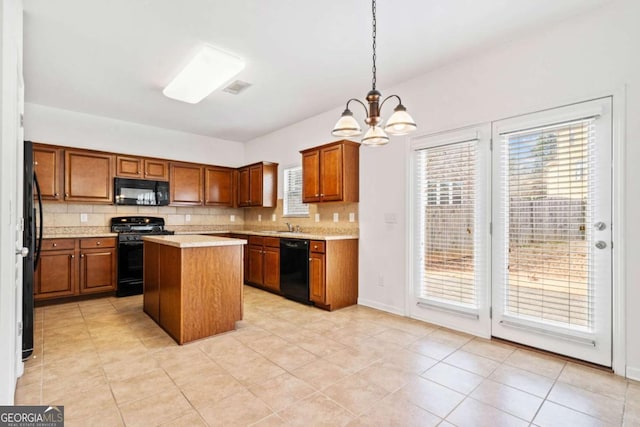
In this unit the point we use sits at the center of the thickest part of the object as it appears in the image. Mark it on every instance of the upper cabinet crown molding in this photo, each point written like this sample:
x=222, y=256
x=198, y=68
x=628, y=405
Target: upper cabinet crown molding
x=330, y=172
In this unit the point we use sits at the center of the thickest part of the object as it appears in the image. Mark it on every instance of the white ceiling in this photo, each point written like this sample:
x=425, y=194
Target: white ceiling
x=112, y=58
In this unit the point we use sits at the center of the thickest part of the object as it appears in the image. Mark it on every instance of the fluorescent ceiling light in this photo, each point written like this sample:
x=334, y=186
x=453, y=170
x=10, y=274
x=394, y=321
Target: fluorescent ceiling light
x=206, y=72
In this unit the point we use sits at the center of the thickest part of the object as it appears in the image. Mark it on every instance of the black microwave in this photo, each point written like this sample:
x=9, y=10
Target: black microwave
x=141, y=192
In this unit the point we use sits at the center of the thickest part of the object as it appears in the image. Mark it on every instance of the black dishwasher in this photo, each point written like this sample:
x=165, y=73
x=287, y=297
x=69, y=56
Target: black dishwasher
x=294, y=269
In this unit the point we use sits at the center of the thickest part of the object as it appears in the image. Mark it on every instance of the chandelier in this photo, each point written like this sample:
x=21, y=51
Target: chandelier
x=400, y=122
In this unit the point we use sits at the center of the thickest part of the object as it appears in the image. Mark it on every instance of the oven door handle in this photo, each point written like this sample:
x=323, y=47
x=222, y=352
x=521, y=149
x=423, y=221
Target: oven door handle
x=136, y=243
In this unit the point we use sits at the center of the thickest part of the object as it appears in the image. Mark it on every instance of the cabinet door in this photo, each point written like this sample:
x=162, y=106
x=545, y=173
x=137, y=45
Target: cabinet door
x=88, y=176
x=317, y=286
x=244, y=197
x=256, y=265
x=97, y=270
x=311, y=176
x=272, y=268
x=186, y=184
x=218, y=186
x=56, y=274
x=47, y=164
x=128, y=167
x=156, y=169
x=331, y=173
x=255, y=185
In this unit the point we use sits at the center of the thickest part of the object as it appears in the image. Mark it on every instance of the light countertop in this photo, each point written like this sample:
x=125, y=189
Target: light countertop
x=285, y=234
x=193, y=240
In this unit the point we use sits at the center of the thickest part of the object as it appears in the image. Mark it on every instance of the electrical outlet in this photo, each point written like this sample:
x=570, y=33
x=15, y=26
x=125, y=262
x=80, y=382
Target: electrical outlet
x=232, y=218
x=259, y=218
x=84, y=217
x=390, y=218
x=336, y=217
x=317, y=218
x=187, y=218
x=352, y=217
x=273, y=217
x=380, y=280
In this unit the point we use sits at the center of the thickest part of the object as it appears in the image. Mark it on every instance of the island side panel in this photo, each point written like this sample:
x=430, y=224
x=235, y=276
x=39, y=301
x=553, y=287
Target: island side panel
x=212, y=294
x=170, y=259
x=151, y=280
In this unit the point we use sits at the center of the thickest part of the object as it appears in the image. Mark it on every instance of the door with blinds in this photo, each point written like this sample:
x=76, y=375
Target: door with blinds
x=551, y=273
x=451, y=229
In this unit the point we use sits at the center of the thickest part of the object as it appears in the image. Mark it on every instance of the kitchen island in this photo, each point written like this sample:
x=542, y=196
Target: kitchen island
x=193, y=284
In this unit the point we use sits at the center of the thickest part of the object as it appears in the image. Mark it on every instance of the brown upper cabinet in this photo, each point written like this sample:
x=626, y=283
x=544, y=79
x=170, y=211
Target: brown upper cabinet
x=142, y=168
x=88, y=176
x=258, y=185
x=330, y=173
x=219, y=186
x=48, y=166
x=186, y=184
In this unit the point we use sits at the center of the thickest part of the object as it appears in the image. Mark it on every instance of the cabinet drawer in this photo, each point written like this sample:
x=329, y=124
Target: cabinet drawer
x=256, y=240
x=273, y=242
x=98, y=242
x=317, y=246
x=58, y=244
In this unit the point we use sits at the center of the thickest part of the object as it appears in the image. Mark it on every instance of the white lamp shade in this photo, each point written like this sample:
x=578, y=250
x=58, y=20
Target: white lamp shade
x=375, y=136
x=346, y=126
x=400, y=123
x=209, y=69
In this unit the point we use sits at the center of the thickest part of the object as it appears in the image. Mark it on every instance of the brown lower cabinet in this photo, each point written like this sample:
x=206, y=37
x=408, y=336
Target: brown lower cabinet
x=333, y=273
x=72, y=267
x=263, y=262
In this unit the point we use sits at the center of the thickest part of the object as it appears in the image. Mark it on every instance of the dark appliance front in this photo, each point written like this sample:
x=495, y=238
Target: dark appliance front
x=130, y=231
x=32, y=240
x=294, y=269
x=140, y=192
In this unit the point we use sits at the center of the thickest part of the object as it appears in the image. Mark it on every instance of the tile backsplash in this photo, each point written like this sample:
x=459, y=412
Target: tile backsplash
x=66, y=217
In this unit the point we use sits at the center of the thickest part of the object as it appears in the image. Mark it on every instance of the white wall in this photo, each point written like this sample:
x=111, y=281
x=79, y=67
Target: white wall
x=62, y=127
x=10, y=199
x=588, y=56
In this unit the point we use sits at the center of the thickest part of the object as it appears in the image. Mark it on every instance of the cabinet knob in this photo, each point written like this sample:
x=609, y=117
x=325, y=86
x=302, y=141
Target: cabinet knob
x=315, y=246
x=55, y=244
x=310, y=259
x=321, y=195
x=66, y=194
x=72, y=256
x=98, y=243
x=35, y=163
x=56, y=194
x=81, y=255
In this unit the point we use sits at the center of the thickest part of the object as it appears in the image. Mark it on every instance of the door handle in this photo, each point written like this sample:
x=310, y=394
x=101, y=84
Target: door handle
x=601, y=244
x=23, y=252
x=599, y=225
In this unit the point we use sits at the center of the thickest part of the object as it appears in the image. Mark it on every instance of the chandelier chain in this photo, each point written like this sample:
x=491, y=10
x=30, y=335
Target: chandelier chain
x=373, y=9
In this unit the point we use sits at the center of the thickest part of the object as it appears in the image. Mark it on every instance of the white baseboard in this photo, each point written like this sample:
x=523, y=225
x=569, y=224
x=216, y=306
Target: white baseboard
x=633, y=373
x=380, y=306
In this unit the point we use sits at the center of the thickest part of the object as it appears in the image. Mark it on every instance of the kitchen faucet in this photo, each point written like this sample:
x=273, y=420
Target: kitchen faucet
x=289, y=227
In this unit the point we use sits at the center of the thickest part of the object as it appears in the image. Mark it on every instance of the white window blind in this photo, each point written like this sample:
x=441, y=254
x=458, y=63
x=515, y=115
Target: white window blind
x=547, y=206
x=446, y=184
x=293, y=205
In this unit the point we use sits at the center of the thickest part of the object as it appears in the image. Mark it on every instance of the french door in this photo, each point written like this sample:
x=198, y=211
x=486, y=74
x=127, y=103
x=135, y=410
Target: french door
x=514, y=241
x=551, y=272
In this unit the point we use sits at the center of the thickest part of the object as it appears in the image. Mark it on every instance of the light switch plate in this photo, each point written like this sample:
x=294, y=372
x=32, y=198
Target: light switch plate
x=232, y=218
x=187, y=218
x=83, y=217
x=352, y=217
x=273, y=217
x=259, y=217
x=317, y=217
x=336, y=217
x=390, y=218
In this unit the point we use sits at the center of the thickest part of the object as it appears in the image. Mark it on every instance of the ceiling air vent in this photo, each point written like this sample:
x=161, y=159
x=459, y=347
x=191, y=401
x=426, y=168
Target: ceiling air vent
x=236, y=87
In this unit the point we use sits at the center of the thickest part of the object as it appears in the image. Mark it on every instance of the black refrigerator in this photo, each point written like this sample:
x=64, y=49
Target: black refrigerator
x=31, y=239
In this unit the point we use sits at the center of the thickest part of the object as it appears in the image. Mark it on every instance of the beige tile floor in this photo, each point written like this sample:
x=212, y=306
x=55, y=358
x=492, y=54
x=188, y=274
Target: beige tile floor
x=288, y=364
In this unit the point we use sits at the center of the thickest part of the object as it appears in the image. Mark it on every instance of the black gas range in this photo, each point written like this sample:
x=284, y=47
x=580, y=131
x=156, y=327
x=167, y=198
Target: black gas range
x=131, y=230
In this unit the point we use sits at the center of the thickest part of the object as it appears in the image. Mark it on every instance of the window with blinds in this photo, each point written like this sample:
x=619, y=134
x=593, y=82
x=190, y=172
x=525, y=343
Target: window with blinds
x=446, y=185
x=547, y=204
x=293, y=205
